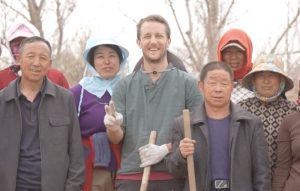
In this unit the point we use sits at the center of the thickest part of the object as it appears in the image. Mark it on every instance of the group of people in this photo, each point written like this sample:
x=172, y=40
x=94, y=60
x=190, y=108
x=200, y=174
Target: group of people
x=95, y=136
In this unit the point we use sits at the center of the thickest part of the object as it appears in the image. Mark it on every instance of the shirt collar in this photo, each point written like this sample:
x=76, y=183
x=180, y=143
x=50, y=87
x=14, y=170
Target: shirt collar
x=18, y=88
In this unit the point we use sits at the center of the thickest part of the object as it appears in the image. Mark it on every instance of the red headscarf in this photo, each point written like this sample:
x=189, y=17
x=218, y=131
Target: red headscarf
x=242, y=38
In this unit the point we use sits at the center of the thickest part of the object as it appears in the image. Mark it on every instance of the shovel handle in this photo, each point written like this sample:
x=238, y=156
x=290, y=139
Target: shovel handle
x=146, y=172
x=190, y=158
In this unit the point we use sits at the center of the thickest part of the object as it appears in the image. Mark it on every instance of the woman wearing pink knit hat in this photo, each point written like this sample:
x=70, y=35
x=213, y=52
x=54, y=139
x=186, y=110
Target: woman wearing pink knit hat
x=15, y=34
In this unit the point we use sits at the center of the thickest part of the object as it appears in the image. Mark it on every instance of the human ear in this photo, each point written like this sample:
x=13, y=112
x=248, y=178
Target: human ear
x=138, y=42
x=200, y=86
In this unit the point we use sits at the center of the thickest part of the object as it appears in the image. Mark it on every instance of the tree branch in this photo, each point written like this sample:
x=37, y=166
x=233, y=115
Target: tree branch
x=285, y=31
x=15, y=10
x=224, y=19
x=181, y=32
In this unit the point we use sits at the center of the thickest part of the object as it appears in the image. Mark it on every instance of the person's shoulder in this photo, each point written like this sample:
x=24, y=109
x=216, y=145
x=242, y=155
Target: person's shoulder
x=131, y=75
x=286, y=104
x=9, y=90
x=5, y=70
x=135, y=75
x=76, y=89
x=54, y=71
x=63, y=90
x=54, y=74
x=185, y=75
x=6, y=74
x=53, y=88
x=290, y=103
x=240, y=113
x=293, y=115
x=57, y=77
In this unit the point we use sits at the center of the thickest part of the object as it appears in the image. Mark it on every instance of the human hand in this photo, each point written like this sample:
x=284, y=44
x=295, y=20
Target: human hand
x=151, y=154
x=112, y=119
x=187, y=147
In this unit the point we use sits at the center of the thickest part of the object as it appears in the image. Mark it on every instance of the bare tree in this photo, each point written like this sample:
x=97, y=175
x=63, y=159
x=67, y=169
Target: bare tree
x=36, y=12
x=63, y=11
x=35, y=9
x=72, y=61
x=29, y=10
x=206, y=19
x=287, y=46
x=286, y=30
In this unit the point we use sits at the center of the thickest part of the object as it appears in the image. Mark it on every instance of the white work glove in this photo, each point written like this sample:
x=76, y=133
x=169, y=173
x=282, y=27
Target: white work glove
x=151, y=154
x=112, y=119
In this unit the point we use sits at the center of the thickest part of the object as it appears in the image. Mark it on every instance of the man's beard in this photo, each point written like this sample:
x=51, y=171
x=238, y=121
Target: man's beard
x=156, y=60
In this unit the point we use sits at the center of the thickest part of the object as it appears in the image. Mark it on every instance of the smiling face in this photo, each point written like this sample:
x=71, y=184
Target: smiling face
x=153, y=41
x=216, y=88
x=235, y=57
x=34, y=60
x=267, y=83
x=106, y=62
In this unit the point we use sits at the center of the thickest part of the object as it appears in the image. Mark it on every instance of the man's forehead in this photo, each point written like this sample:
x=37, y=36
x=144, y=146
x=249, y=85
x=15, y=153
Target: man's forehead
x=32, y=45
x=36, y=47
x=153, y=26
x=213, y=74
x=216, y=72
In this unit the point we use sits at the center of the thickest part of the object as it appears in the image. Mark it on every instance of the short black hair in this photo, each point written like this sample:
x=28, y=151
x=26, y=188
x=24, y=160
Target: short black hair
x=32, y=40
x=213, y=66
x=90, y=56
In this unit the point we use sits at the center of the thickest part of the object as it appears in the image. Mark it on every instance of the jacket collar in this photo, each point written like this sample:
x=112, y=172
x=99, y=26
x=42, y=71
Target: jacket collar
x=10, y=92
x=237, y=113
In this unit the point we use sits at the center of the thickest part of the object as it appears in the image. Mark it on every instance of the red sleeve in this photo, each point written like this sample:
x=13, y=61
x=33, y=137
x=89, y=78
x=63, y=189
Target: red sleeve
x=116, y=150
x=64, y=82
x=6, y=76
x=58, y=78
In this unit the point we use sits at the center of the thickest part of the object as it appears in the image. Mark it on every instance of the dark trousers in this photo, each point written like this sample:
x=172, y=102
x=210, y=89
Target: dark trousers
x=157, y=185
x=27, y=189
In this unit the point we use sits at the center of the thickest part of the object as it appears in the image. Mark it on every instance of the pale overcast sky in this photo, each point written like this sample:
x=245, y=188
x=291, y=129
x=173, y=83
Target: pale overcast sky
x=263, y=20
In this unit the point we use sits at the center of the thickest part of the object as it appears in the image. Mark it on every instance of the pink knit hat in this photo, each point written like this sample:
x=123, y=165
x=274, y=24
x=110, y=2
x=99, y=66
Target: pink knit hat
x=21, y=29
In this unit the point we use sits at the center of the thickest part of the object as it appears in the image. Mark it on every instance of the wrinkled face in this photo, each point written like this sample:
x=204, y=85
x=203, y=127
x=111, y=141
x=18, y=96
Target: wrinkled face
x=35, y=61
x=153, y=41
x=267, y=83
x=235, y=57
x=106, y=62
x=217, y=88
x=14, y=46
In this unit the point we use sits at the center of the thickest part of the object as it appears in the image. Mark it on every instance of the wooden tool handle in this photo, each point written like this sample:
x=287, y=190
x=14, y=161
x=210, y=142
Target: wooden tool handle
x=146, y=172
x=190, y=159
